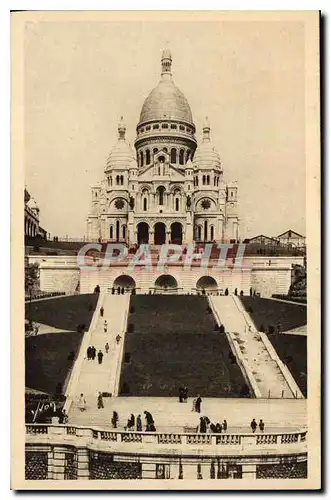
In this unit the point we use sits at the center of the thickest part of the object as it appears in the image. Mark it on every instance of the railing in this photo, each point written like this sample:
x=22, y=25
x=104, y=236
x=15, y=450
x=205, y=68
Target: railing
x=85, y=436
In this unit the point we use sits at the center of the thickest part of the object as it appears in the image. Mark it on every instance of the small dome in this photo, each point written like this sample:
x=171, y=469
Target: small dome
x=121, y=156
x=206, y=155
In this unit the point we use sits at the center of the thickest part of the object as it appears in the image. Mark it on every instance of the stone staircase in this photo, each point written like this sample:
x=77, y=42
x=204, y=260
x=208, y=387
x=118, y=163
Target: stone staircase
x=104, y=377
x=265, y=370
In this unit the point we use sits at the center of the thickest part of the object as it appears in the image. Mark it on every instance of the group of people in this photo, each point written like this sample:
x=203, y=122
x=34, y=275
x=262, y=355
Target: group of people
x=135, y=423
x=206, y=425
x=254, y=425
x=92, y=353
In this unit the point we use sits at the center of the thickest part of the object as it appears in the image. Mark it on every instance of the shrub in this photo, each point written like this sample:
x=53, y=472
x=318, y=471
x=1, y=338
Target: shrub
x=262, y=329
x=271, y=329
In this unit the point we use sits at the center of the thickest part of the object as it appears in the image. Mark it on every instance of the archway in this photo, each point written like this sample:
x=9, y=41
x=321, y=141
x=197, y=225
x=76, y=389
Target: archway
x=159, y=233
x=125, y=281
x=142, y=232
x=166, y=283
x=176, y=233
x=206, y=283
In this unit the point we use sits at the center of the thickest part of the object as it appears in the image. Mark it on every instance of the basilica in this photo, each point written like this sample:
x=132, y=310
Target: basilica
x=171, y=189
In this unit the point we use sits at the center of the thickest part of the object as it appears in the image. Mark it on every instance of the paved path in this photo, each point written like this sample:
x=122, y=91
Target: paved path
x=95, y=377
x=289, y=301
x=264, y=369
x=171, y=416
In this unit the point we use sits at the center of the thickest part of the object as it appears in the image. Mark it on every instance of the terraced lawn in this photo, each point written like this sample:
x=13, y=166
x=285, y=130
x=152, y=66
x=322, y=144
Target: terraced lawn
x=174, y=344
x=46, y=359
x=272, y=312
x=65, y=313
x=292, y=350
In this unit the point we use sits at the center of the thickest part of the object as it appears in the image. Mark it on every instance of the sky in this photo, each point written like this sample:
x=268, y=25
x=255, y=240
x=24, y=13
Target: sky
x=247, y=77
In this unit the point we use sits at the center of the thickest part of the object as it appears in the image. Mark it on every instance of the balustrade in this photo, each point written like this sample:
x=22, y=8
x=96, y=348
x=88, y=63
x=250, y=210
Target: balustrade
x=225, y=439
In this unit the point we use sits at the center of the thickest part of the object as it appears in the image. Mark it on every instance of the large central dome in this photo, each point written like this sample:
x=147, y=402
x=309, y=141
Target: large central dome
x=166, y=101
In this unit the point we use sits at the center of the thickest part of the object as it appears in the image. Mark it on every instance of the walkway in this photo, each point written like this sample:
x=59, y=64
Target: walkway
x=171, y=416
x=269, y=378
x=104, y=377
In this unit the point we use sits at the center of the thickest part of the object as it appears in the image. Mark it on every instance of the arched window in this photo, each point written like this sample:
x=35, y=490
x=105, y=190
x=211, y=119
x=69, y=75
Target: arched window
x=203, y=179
x=122, y=180
x=208, y=180
x=160, y=191
x=117, y=230
x=117, y=180
x=145, y=205
x=177, y=204
x=111, y=232
x=148, y=156
x=155, y=150
x=205, y=235
x=173, y=155
x=165, y=150
x=181, y=157
x=199, y=233
x=212, y=233
x=124, y=232
x=141, y=159
x=188, y=155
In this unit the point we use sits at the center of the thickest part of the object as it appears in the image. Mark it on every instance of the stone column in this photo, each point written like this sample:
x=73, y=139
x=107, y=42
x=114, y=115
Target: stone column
x=83, y=469
x=58, y=462
x=248, y=471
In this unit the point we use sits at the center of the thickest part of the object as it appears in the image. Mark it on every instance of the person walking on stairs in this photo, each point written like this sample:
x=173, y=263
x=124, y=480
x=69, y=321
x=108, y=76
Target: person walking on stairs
x=198, y=402
x=93, y=352
x=100, y=356
x=105, y=326
x=100, y=401
x=107, y=348
x=89, y=353
x=101, y=311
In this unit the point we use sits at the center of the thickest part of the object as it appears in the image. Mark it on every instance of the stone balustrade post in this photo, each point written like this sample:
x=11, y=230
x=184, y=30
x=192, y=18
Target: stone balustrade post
x=59, y=458
x=83, y=463
x=248, y=471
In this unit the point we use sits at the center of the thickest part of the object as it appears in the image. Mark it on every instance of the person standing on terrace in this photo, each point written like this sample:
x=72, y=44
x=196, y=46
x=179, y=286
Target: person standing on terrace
x=253, y=425
x=82, y=402
x=198, y=402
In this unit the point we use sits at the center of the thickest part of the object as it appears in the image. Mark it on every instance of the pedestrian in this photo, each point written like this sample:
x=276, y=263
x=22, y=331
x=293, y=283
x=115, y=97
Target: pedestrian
x=101, y=311
x=218, y=428
x=100, y=356
x=225, y=425
x=100, y=401
x=63, y=417
x=185, y=394
x=198, y=402
x=118, y=338
x=149, y=420
x=82, y=402
x=93, y=352
x=107, y=348
x=139, y=425
x=181, y=394
x=202, y=425
x=261, y=425
x=253, y=425
x=114, y=419
x=131, y=422
x=89, y=353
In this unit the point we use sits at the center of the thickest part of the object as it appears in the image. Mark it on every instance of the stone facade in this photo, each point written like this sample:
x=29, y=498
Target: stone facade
x=169, y=189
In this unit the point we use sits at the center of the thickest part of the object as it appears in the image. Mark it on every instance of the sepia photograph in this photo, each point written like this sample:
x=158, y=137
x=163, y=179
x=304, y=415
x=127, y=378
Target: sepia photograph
x=165, y=230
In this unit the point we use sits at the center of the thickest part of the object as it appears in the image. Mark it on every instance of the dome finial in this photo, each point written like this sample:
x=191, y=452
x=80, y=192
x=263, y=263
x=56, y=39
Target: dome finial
x=166, y=61
x=121, y=129
x=206, y=129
